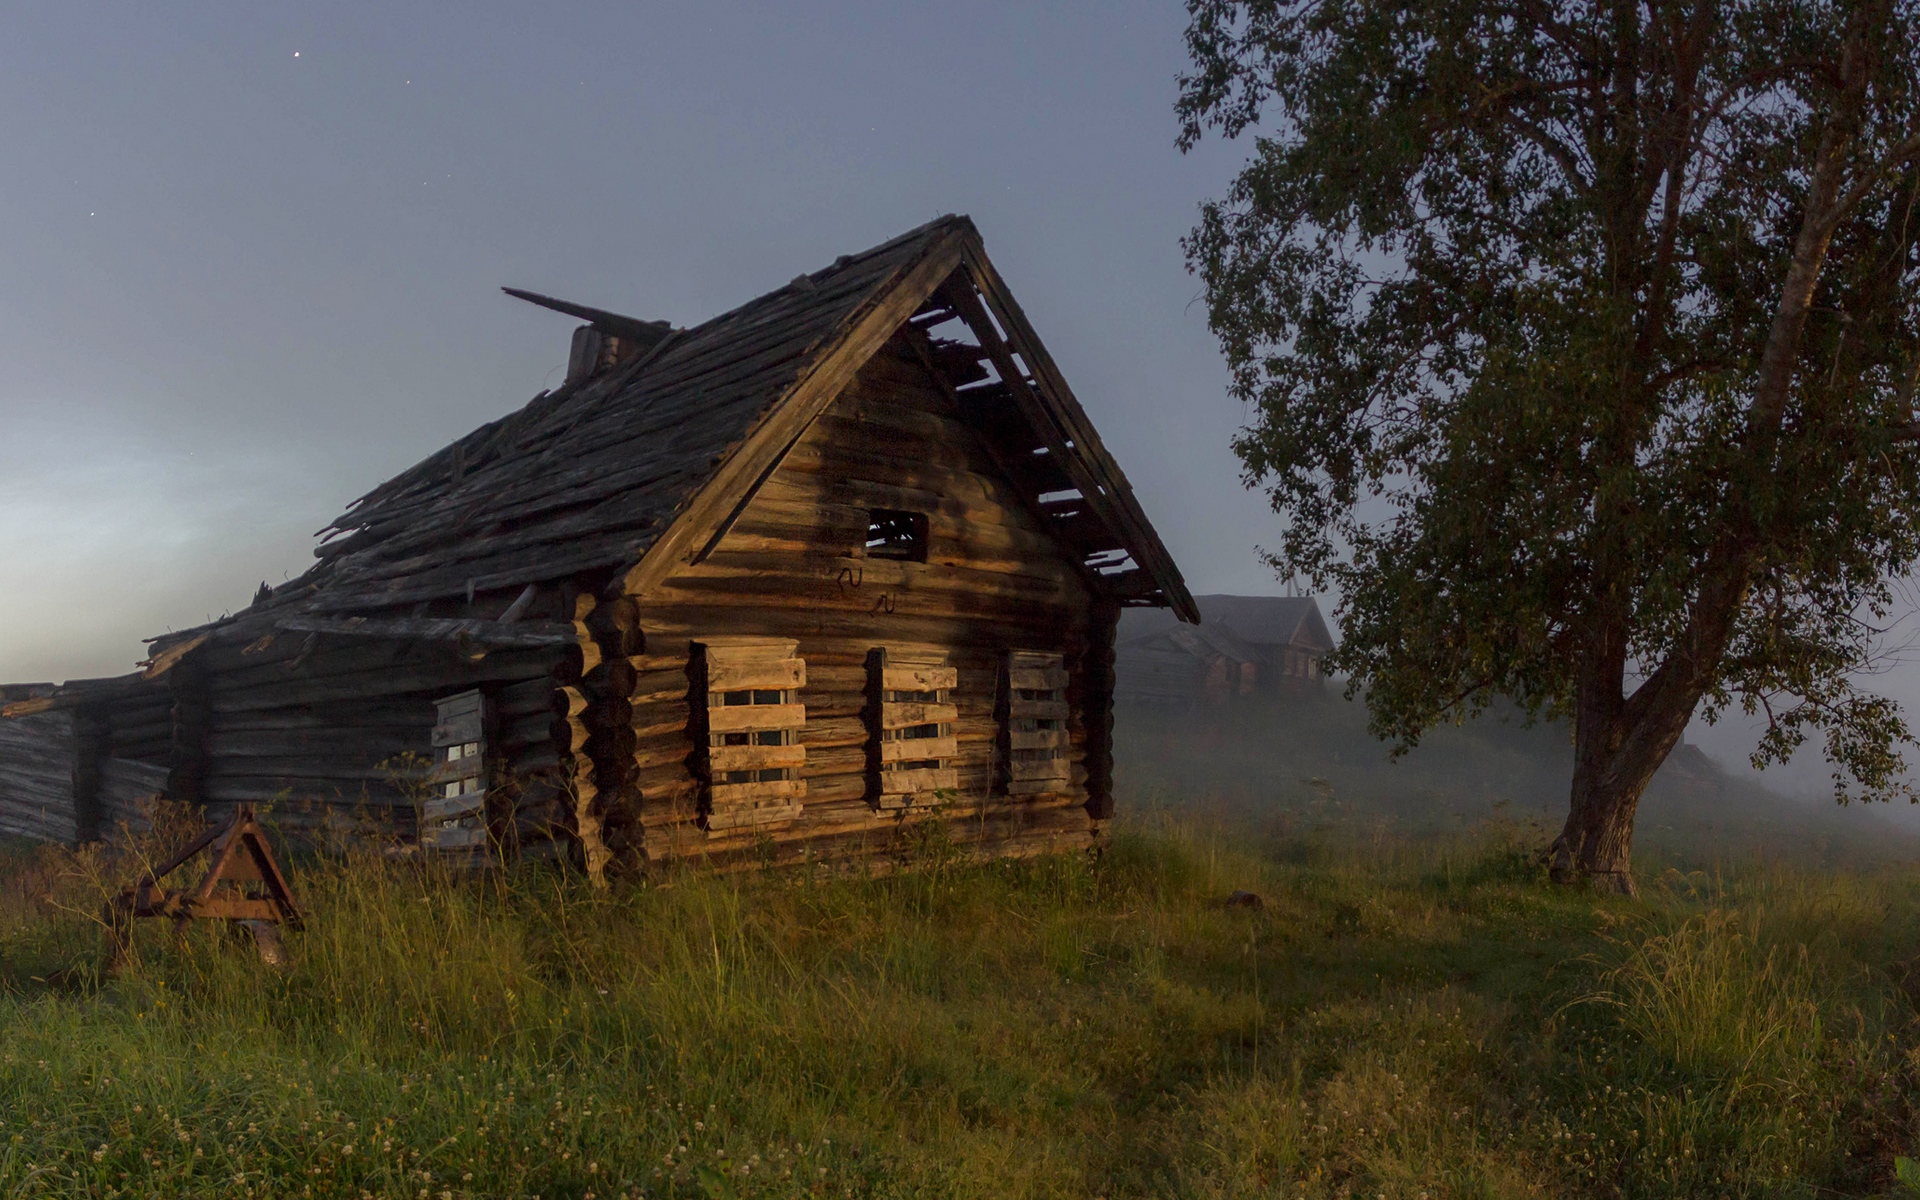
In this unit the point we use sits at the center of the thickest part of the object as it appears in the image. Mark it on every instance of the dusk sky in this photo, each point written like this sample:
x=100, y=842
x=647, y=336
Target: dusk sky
x=253, y=253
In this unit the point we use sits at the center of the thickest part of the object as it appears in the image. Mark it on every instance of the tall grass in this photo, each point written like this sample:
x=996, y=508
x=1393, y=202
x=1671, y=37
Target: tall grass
x=1402, y=1018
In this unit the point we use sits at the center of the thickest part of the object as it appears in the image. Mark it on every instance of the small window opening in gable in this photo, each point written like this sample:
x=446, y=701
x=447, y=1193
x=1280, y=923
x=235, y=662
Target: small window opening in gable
x=454, y=816
x=910, y=713
x=751, y=751
x=896, y=533
x=1033, y=727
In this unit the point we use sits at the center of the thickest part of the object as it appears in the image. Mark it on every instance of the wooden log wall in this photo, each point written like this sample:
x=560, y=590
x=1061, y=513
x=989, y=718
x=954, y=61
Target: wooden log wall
x=794, y=565
x=36, y=777
x=140, y=723
x=127, y=786
x=331, y=730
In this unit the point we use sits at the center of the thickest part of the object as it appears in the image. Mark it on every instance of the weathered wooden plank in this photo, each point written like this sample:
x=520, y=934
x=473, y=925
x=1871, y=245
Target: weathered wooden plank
x=744, y=818
x=906, y=678
x=747, y=648
x=1037, y=678
x=1046, y=710
x=921, y=779
x=914, y=749
x=1037, y=739
x=906, y=715
x=1033, y=660
x=730, y=674
x=742, y=718
x=746, y=758
x=731, y=795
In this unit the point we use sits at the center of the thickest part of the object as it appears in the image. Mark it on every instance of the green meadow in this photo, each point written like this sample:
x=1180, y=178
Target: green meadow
x=1412, y=1011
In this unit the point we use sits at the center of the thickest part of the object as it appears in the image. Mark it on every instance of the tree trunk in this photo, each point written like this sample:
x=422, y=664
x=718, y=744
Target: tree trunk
x=1597, y=843
x=1614, y=758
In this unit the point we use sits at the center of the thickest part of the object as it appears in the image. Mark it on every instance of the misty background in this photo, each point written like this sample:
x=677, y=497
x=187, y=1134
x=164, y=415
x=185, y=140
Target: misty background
x=252, y=256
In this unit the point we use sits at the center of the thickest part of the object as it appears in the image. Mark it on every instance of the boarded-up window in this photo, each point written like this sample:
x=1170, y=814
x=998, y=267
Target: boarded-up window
x=1034, y=724
x=751, y=729
x=454, y=817
x=910, y=716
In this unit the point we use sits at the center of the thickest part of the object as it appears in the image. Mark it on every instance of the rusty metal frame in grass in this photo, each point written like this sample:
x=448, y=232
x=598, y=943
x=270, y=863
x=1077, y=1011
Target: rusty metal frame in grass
x=239, y=856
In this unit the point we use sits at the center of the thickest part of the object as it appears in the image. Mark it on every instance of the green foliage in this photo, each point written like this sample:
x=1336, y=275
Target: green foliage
x=1581, y=343
x=1404, y=1017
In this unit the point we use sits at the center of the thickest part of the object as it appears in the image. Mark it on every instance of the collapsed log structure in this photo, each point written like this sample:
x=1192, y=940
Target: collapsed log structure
x=763, y=589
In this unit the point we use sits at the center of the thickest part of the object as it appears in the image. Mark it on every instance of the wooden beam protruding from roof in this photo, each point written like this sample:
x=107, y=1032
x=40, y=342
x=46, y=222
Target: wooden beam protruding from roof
x=645, y=334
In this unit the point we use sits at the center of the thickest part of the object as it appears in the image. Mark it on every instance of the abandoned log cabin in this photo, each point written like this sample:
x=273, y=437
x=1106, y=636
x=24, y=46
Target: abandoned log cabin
x=756, y=590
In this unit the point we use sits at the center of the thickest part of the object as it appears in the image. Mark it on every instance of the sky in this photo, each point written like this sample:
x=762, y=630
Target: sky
x=250, y=255
x=253, y=252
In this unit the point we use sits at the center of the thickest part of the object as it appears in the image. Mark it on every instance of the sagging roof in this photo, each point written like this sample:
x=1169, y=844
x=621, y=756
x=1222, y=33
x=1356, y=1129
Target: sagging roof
x=644, y=464
x=1264, y=621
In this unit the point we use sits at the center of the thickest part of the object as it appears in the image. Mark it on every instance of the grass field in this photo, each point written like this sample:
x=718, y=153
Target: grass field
x=1408, y=1016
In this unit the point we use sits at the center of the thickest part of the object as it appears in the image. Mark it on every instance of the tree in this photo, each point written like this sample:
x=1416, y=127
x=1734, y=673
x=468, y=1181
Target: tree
x=1581, y=341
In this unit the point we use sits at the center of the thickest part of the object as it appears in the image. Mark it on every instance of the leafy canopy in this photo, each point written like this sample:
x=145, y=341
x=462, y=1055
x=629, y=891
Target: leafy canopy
x=1500, y=281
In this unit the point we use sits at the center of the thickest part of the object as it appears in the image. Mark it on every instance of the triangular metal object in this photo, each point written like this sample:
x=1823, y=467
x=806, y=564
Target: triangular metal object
x=238, y=857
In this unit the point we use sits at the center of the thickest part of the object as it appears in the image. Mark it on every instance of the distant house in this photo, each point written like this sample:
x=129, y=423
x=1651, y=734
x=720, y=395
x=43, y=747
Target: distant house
x=1243, y=646
x=764, y=588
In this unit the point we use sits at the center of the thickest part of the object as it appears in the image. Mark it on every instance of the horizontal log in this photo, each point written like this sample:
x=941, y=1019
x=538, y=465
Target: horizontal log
x=147, y=731
x=415, y=714
x=1045, y=710
x=255, y=790
x=822, y=626
x=311, y=768
x=529, y=695
x=368, y=744
x=1046, y=768
x=369, y=685
x=334, y=659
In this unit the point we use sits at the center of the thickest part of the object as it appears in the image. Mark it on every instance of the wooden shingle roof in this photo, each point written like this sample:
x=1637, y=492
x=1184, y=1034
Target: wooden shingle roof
x=643, y=464
x=588, y=476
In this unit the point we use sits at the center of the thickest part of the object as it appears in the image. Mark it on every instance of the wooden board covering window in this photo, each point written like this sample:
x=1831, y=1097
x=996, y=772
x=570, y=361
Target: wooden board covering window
x=1034, y=725
x=750, y=748
x=910, y=717
x=454, y=817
